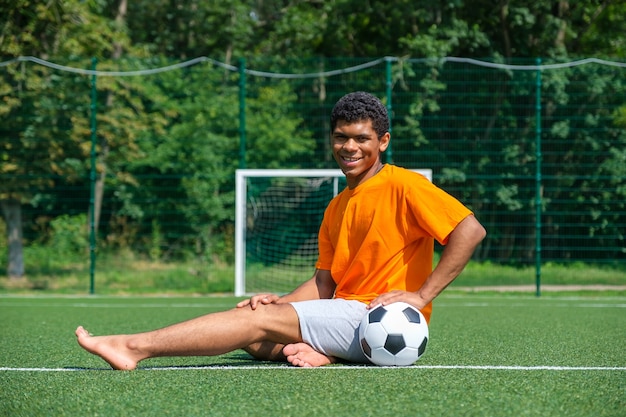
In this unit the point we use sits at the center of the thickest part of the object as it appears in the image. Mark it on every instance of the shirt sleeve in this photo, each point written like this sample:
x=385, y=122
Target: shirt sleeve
x=435, y=210
x=325, y=247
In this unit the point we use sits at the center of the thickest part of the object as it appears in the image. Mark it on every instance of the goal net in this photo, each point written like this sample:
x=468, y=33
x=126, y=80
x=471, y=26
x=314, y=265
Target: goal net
x=277, y=216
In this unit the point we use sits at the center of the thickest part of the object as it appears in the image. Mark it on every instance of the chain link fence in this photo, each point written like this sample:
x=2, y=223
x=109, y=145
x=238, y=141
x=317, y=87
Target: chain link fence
x=146, y=150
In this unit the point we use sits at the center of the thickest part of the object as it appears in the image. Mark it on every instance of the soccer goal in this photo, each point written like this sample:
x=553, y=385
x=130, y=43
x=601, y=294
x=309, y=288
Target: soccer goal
x=277, y=216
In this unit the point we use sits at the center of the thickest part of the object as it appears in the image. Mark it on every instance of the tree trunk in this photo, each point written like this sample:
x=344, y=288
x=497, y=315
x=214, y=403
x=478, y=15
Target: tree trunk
x=120, y=19
x=12, y=213
x=561, y=34
x=504, y=25
x=99, y=186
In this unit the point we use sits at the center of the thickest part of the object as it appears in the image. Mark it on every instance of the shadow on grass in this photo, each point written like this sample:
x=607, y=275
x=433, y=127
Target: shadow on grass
x=231, y=360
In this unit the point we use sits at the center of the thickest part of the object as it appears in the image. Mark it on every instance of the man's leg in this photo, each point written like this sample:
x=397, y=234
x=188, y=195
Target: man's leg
x=297, y=354
x=303, y=355
x=212, y=334
x=267, y=351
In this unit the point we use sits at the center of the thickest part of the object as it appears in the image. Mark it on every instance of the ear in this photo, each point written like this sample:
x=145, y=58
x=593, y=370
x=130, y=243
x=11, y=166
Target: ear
x=384, y=142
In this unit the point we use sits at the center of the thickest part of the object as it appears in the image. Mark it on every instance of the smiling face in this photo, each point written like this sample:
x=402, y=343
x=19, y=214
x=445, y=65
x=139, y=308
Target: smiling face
x=357, y=150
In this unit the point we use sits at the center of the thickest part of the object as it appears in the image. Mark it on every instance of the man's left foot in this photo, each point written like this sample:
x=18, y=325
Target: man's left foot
x=303, y=355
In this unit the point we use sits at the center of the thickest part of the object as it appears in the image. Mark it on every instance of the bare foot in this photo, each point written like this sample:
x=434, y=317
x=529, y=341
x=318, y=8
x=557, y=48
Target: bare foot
x=303, y=355
x=112, y=349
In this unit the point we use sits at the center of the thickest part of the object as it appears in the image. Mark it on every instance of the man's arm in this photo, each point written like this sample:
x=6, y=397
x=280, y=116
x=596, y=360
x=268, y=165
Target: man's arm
x=462, y=242
x=320, y=285
x=456, y=254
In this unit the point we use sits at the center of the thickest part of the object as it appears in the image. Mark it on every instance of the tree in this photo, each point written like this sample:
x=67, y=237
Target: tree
x=183, y=125
x=222, y=30
x=43, y=141
x=187, y=168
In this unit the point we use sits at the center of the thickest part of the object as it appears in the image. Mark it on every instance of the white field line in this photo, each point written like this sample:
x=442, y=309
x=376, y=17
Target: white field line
x=494, y=302
x=523, y=305
x=119, y=305
x=334, y=368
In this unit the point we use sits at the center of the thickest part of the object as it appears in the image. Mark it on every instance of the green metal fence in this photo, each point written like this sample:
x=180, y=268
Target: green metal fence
x=148, y=148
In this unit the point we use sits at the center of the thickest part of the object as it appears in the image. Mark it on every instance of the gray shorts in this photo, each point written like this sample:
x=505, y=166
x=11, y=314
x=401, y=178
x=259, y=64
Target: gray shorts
x=332, y=327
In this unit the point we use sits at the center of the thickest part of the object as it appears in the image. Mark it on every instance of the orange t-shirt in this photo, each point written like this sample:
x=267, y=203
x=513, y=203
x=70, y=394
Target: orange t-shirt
x=378, y=237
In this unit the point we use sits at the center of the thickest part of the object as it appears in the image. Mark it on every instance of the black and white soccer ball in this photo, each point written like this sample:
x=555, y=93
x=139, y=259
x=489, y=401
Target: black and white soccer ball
x=393, y=335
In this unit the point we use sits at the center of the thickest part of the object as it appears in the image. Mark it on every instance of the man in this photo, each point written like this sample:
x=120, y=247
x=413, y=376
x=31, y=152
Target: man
x=375, y=247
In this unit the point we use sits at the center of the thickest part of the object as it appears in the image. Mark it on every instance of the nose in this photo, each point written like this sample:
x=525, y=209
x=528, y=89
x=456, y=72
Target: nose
x=350, y=145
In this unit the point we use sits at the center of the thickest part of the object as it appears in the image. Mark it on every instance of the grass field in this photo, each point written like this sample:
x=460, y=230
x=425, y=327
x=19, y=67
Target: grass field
x=489, y=355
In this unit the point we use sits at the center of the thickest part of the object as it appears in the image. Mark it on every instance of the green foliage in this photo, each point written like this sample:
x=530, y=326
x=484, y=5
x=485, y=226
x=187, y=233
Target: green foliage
x=3, y=243
x=155, y=251
x=44, y=111
x=277, y=138
x=168, y=143
x=69, y=236
x=601, y=28
x=122, y=272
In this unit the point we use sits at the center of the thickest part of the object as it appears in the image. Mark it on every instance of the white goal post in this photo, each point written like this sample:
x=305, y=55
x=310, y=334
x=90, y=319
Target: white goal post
x=270, y=204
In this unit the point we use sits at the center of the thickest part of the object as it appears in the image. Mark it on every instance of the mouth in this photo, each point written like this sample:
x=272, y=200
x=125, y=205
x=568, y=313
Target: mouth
x=349, y=160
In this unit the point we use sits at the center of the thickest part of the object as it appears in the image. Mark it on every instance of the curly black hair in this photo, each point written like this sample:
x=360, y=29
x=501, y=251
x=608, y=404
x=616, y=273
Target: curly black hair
x=360, y=106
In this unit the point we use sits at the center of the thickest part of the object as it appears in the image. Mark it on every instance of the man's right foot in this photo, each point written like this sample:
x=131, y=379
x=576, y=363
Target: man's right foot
x=113, y=349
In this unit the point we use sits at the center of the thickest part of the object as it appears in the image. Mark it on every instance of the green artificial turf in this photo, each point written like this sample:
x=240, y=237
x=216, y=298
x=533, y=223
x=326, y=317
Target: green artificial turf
x=491, y=355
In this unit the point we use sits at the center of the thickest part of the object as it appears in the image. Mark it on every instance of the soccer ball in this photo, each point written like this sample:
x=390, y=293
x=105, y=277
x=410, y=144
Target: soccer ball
x=393, y=335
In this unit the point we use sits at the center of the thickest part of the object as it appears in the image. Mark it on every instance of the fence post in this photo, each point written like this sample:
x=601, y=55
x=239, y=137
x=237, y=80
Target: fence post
x=538, y=179
x=388, y=83
x=242, y=113
x=92, y=178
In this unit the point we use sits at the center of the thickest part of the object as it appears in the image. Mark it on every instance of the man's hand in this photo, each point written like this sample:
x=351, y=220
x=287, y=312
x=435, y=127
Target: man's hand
x=320, y=285
x=255, y=300
x=397, y=295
